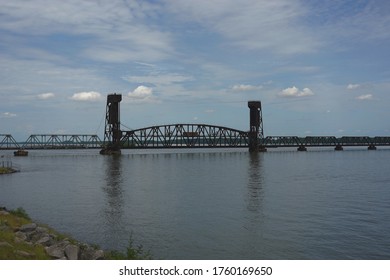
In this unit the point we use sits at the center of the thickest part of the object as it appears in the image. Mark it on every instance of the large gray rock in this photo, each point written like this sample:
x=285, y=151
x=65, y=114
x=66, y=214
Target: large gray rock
x=20, y=236
x=86, y=252
x=71, y=252
x=28, y=227
x=45, y=240
x=55, y=251
x=41, y=230
x=98, y=255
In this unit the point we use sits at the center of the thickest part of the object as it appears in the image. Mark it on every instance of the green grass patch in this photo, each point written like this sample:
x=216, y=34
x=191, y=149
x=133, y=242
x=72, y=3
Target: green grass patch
x=133, y=252
x=20, y=212
x=5, y=170
x=10, y=249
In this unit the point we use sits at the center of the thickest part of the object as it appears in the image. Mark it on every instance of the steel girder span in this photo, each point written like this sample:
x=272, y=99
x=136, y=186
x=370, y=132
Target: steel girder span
x=184, y=136
x=62, y=141
x=7, y=142
x=324, y=141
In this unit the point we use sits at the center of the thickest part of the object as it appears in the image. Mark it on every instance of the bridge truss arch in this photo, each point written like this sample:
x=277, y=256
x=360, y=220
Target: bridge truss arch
x=184, y=136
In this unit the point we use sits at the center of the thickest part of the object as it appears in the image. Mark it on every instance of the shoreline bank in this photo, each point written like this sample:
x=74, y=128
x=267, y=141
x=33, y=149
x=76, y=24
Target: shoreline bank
x=7, y=170
x=23, y=239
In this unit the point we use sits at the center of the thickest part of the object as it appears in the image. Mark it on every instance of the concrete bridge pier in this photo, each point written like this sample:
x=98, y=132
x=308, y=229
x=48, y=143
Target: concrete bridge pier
x=338, y=147
x=302, y=148
x=371, y=147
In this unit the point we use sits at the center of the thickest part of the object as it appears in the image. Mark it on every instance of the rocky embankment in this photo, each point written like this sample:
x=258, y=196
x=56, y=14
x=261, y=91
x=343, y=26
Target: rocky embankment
x=55, y=248
x=21, y=238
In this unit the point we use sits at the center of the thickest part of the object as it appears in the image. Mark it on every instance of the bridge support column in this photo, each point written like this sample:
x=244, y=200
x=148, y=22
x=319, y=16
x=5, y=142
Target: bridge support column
x=112, y=132
x=338, y=148
x=256, y=133
x=302, y=148
x=372, y=147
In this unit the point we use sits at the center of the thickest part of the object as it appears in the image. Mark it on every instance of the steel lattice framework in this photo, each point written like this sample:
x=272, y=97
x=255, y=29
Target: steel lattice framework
x=62, y=141
x=8, y=142
x=184, y=136
x=324, y=141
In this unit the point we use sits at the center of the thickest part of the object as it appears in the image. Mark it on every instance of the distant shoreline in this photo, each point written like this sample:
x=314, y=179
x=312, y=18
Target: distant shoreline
x=7, y=170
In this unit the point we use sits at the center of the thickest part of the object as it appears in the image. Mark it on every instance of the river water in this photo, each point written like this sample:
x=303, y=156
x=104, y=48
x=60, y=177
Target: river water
x=212, y=204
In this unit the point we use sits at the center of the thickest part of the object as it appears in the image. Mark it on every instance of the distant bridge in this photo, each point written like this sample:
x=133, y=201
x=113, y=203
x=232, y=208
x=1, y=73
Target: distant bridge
x=51, y=141
x=7, y=142
x=186, y=136
x=183, y=136
x=207, y=136
x=324, y=141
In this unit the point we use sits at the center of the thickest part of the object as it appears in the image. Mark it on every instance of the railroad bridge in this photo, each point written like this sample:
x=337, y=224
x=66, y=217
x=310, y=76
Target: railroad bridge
x=183, y=136
x=179, y=135
x=212, y=136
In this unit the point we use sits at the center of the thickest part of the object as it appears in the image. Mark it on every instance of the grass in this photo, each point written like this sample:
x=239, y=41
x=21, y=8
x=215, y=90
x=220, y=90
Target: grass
x=21, y=213
x=5, y=170
x=12, y=250
x=133, y=252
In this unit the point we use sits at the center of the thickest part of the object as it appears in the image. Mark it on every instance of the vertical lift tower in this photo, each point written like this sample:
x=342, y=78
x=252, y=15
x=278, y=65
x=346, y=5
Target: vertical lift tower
x=256, y=133
x=112, y=132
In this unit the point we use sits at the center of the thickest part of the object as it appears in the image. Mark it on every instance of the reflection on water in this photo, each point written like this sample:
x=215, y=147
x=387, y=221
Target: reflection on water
x=114, y=199
x=212, y=204
x=255, y=182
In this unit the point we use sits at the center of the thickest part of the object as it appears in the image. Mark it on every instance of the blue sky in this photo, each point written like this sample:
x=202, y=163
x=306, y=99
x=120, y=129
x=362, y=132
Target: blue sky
x=319, y=67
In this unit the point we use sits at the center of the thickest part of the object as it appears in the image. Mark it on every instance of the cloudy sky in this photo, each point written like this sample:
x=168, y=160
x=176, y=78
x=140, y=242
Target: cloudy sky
x=320, y=67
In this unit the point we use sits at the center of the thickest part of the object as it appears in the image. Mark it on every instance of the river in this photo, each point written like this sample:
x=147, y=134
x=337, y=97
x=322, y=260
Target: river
x=212, y=204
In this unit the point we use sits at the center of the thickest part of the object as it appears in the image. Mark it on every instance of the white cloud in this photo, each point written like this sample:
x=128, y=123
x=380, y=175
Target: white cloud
x=365, y=97
x=142, y=94
x=277, y=26
x=246, y=87
x=159, y=78
x=295, y=92
x=121, y=30
x=353, y=86
x=167, y=84
x=87, y=96
x=45, y=96
x=8, y=115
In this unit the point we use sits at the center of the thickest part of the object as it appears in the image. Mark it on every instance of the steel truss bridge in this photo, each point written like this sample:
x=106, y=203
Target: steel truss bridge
x=186, y=136
x=183, y=136
x=209, y=136
x=51, y=141
x=324, y=141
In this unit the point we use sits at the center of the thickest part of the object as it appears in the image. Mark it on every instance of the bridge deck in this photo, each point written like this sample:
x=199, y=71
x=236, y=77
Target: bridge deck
x=324, y=141
x=184, y=136
x=51, y=141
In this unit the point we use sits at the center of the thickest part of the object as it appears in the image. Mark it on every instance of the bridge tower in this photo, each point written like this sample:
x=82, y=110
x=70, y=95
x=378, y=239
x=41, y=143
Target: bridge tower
x=112, y=131
x=256, y=133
